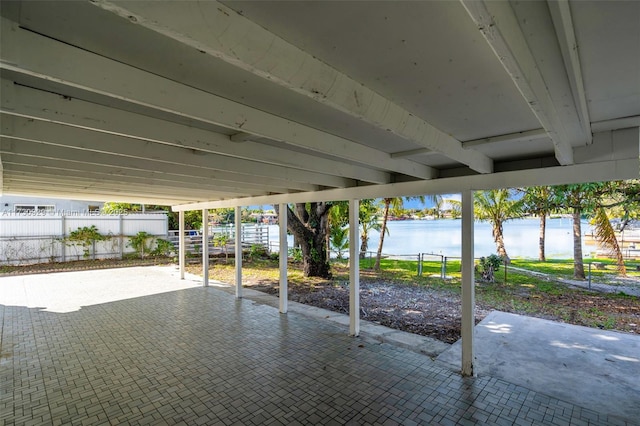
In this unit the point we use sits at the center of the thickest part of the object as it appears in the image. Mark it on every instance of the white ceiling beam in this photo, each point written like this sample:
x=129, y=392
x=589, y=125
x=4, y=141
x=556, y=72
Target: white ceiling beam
x=563, y=23
x=98, y=187
x=500, y=27
x=56, y=153
x=51, y=133
x=511, y=137
x=238, y=41
x=76, y=195
x=615, y=124
x=13, y=169
x=578, y=173
x=31, y=58
x=39, y=104
x=170, y=179
x=412, y=152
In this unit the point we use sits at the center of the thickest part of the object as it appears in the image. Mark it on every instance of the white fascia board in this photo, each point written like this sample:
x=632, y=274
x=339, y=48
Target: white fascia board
x=602, y=171
x=31, y=57
x=238, y=41
x=44, y=105
x=499, y=26
x=90, y=142
x=37, y=149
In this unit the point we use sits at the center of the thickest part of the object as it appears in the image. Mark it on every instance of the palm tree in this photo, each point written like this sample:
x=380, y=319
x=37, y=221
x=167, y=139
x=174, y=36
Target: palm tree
x=395, y=203
x=387, y=202
x=438, y=207
x=537, y=201
x=368, y=221
x=578, y=198
x=340, y=240
x=497, y=206
x=606, y=235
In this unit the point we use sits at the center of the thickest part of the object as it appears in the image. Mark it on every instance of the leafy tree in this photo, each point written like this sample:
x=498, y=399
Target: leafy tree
x=119, y=208
x=223, y=215
x=537, y=200
x=308, y=224
x=192, y=218
x=497, y=206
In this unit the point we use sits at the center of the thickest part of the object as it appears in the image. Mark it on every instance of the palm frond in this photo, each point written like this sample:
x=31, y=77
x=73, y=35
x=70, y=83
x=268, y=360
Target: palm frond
x=605, y=235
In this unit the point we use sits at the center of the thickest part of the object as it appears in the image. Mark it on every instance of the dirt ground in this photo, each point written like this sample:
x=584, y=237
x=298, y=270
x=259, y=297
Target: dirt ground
x=404, y=307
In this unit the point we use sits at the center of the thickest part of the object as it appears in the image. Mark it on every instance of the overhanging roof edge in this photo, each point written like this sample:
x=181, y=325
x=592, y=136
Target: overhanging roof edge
x=587, y=172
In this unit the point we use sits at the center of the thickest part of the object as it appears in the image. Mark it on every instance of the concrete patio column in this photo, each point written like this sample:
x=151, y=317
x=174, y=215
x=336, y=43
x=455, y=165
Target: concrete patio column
x=354, y=268
x=284, y=252
x=468, y=284
x=181, y=251
x=205, y=247
x=238, y=218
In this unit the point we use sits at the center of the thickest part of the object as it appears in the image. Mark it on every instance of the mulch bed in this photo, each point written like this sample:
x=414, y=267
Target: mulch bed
x=405, y=307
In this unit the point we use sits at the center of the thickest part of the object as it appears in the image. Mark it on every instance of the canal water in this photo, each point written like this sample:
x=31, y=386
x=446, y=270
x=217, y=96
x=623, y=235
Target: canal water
x=410, y=237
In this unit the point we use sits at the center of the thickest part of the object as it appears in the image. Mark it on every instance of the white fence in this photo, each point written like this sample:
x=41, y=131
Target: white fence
x=28, y=239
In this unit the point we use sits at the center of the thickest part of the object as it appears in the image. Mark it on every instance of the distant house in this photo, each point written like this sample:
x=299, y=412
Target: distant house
x=48, y=206
x=269, y=217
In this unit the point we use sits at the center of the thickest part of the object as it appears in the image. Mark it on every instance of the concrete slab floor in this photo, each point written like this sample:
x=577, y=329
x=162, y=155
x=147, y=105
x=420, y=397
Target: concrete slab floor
x=193, y=355
x=594, y=368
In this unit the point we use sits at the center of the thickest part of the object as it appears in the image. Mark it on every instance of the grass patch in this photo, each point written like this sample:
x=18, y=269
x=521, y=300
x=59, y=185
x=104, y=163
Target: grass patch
x=563, y=268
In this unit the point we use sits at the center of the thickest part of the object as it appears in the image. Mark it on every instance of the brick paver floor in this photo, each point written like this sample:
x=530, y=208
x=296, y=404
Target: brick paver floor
x=198, y=356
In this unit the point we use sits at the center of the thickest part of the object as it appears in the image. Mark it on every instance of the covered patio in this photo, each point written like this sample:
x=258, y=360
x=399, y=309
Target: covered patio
x=206, y=104
x=142, y=346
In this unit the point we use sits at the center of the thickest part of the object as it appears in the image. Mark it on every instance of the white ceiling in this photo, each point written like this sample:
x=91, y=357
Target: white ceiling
x=187, y=102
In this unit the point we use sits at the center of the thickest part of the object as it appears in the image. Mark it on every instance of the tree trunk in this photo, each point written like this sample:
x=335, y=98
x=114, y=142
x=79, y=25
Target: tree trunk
x=578, y=265
x=364, y=244
x=543, y=227
x=309, y=228
x=499, y=239
x=383, y=230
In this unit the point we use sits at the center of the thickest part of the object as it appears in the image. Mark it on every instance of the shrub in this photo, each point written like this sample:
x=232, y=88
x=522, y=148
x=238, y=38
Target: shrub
x=488, y=266
x=139, y=243
x=163, y=248
x=86, y=237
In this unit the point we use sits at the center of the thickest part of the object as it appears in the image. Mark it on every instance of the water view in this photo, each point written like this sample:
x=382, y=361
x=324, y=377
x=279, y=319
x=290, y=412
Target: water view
x=411, y=237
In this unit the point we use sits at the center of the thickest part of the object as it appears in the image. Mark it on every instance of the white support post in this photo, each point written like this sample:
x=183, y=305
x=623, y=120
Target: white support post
x=354, y=268
x=63, y=223
x=238, y=218
x=468, y=284
x=121, y=236
x=205, y=247
x=181, y=248
x=284, y=252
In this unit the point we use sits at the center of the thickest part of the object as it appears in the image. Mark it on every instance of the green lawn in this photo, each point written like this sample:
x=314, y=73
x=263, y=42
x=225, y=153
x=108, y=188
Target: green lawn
x=563, y=268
